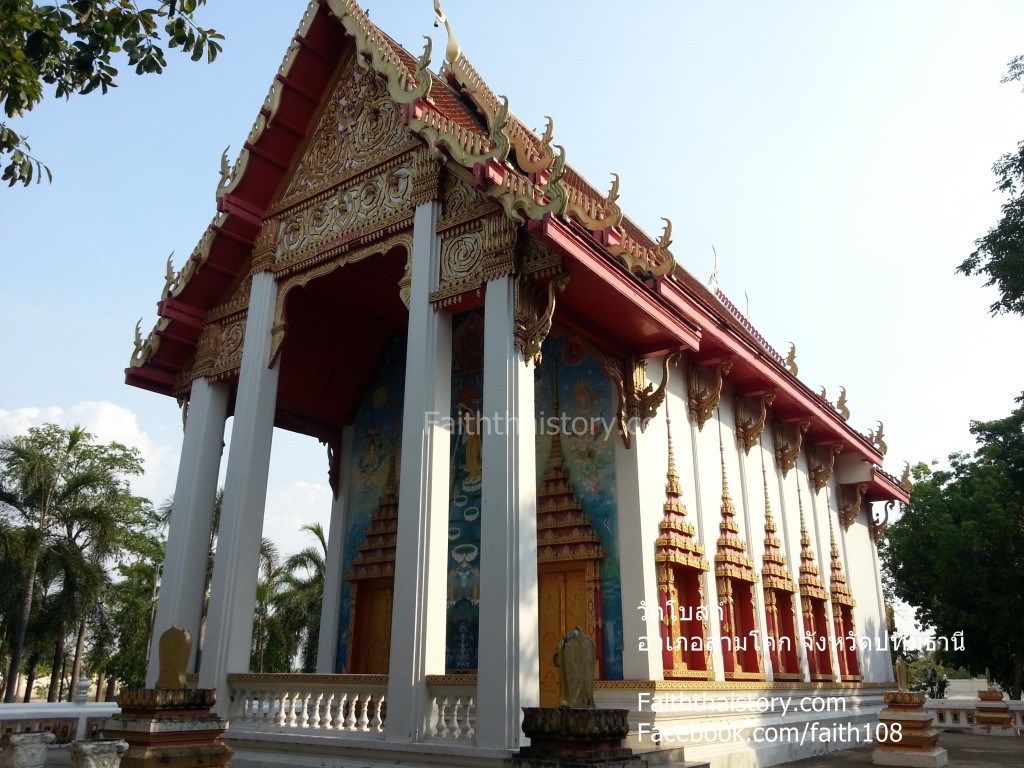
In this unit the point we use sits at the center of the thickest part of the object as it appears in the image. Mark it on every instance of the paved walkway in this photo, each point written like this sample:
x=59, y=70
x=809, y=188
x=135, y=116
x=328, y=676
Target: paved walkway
x=965, y=751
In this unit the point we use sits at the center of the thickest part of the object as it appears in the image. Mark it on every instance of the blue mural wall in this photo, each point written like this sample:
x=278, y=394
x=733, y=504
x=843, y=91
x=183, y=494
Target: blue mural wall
x=586, y=415
x=585, y=418
x=377, y=427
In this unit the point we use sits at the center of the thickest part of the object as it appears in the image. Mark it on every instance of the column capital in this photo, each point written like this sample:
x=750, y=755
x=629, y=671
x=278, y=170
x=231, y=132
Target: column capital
x=426, y=177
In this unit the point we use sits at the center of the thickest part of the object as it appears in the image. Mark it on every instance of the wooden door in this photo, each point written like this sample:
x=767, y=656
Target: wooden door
x=373, y=630
x=562, y=607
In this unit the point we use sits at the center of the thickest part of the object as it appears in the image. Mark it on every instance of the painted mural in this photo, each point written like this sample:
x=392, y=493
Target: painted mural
x=376, y=433
x=585, y=419
x=464, y=497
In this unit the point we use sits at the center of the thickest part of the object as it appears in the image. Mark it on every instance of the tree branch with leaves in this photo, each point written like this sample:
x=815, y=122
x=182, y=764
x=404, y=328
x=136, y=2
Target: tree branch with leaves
x=73, y=48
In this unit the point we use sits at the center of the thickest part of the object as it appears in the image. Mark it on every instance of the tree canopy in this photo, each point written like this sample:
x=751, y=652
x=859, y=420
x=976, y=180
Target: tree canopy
x=999, y=255
x=66, y=512
x=957, y=552
x=73, y=47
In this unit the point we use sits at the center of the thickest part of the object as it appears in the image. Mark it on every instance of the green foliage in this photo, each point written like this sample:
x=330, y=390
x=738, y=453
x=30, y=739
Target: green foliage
x=67, y=512
x=957, y=551
x=999, y=255
x=72, y=47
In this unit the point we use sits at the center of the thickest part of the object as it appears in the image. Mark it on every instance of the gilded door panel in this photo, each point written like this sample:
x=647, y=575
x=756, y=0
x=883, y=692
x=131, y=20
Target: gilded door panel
x=562, y=607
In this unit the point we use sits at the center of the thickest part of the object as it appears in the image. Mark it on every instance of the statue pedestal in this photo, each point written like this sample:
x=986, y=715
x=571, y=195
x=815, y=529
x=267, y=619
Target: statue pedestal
x=575, y=737
x=26, y=750
x=908, y=739
x=993, y=716
x=169, y=728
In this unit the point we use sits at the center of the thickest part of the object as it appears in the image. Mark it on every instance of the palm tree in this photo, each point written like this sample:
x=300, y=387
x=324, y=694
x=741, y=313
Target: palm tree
x=58, y=487
x=300, y=601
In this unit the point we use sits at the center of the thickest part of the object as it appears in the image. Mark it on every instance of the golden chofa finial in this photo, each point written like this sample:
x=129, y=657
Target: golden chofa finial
x=452, y=51
x=666, y=237
x=613, y=193
x=169, y=276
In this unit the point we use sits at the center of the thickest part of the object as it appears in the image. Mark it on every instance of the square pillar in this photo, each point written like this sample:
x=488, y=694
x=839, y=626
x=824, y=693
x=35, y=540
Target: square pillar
x=509, y=666
x=327, y=649
x=419, y=611
x=183, y=578
x=233, y=590
x=640, y=499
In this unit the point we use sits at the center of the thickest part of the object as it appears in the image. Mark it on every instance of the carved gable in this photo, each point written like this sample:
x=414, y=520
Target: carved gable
x=359, y=127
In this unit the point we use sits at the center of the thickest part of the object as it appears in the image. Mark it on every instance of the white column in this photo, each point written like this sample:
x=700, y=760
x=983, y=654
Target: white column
x=640, y=500
x=707, y=503
x=233, y=591
x=327, y=649
x=418, y=614
x=508, y=665
x=183, y=579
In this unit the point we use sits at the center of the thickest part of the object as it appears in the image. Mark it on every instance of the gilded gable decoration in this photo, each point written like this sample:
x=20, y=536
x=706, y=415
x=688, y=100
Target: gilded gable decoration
x=376, y=50
x=704, y=387
x=788, y=437
x=533, y=154
x=360, y=126
x=144, y=349
x=821, y=461
x=379, y=200
x=639, y=259
x=849, y=499
x=751, y=414
x=472, y=254
x=595, y=214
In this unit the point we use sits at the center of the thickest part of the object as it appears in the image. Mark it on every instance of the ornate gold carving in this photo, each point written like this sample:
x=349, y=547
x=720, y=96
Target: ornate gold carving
x=849, y=499
x=642, y=400
x=532, y=154
x=373, y=202
x=643, y=261
x=426, y=177
x=841, y=409
x=465, y=146
x=375, y=48
x=791, y=365
x=144, y=350
x=360, y=126
x=518, y=195
x=405, y=283
x=788, y=437
x=279, y=329
x=878, y=528
x=905, y=482
x=877, y=440
x=595, y=214
x=703, y=398
x=821, y=462
x=461, y=202
x=538, y=260
x=473, y=254
x=532, y=317
x=749, y=427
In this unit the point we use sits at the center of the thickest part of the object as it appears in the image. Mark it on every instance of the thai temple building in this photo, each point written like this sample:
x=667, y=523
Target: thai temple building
x=534, y=419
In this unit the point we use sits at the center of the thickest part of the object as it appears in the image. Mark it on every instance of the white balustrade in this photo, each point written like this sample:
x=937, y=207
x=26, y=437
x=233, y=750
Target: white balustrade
x=453, y=707
x=352, y=704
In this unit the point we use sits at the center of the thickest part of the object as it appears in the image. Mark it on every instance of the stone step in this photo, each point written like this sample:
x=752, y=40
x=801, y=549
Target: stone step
x=668, y=757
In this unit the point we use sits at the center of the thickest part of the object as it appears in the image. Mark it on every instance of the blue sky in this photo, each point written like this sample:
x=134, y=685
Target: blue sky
x=837, y=155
